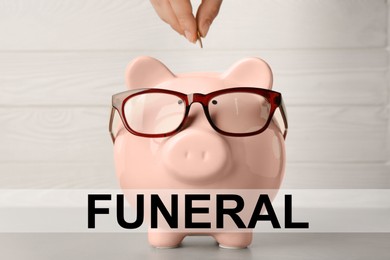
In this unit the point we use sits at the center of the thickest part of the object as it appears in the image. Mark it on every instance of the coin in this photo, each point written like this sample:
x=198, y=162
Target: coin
x=200, y=40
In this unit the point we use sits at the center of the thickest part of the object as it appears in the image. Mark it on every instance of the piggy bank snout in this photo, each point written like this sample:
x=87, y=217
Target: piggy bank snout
x=196, y=155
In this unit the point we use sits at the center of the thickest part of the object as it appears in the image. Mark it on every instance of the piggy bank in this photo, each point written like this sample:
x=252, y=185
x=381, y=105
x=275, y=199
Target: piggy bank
x=200, y=130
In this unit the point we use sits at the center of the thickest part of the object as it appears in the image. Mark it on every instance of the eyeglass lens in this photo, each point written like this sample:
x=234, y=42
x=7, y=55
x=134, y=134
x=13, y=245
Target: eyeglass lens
x=154, y=113
x=239, y=113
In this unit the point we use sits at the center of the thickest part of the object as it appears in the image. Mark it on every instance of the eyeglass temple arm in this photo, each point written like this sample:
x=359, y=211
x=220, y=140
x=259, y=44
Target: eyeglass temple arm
x=110, y=124
x=283, y=111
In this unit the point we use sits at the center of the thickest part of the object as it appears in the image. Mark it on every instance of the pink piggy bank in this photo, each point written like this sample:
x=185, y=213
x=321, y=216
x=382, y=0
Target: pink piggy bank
x=199, y=131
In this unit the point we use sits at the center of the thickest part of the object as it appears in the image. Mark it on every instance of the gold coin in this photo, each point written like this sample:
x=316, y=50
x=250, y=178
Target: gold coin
x=200, y=40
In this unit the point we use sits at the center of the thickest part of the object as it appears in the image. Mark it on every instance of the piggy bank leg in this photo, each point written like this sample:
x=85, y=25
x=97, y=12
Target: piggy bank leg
x=161, y=239
x=234, y=240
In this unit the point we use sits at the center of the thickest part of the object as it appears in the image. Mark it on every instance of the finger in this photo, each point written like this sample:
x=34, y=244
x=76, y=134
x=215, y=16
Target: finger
x=164, y=10
x=183, y=11
x=206, y=14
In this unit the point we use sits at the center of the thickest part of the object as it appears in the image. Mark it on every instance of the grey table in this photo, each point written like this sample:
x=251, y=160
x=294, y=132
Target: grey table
x=134, y=246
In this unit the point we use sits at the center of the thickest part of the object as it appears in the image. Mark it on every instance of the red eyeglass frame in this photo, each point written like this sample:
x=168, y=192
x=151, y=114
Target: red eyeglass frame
x=273, y=97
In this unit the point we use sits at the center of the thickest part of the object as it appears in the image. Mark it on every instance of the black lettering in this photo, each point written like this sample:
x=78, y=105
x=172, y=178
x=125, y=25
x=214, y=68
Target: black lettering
x=232, y=212
x=264, y=200
x=189, y=210
x=156, y=203
x=120, y=216
x=288, y=214
x=92, y=210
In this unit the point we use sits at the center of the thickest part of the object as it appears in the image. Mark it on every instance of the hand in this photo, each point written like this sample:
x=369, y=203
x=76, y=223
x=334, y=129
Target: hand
x=178, y=14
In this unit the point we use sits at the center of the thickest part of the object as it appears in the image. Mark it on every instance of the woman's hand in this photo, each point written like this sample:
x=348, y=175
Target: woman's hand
x=178, y=14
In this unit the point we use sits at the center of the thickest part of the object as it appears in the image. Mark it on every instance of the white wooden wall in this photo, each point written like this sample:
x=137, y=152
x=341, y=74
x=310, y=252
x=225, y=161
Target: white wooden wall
x=60, y=62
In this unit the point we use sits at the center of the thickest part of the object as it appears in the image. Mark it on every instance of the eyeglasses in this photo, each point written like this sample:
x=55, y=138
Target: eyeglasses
x=242, y=111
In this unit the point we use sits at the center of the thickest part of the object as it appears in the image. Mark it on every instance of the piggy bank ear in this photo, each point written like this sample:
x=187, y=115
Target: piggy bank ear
x=250, y=72
x=146, y=72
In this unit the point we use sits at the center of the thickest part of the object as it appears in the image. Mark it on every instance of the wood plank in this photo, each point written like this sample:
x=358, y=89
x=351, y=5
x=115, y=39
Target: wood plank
x=80, y=134
x=57, y=175
x=124, y=25
x=388, y=80
x=338, y=134
x=124, y=245
x=350, y=77
x=336, y=176
x=95, y=175
x=59, y=134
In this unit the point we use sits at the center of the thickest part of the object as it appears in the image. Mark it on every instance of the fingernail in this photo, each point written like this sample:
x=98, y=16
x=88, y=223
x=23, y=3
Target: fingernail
x=189, y=36
x=205, y=28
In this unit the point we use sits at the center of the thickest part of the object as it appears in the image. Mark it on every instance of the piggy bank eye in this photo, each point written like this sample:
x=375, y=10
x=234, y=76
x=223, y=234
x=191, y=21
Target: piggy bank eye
x=214, y=102
x=180, y=101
